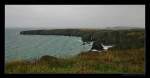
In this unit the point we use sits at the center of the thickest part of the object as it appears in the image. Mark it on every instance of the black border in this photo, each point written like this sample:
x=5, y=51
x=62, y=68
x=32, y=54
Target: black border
x=75, y=1
x=147, y=29
x=71, y=2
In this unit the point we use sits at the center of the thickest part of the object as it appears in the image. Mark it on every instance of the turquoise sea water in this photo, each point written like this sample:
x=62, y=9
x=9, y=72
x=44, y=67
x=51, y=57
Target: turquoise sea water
x=22, y=47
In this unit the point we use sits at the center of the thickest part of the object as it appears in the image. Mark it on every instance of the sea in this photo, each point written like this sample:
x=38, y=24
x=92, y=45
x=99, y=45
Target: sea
x=29, y=47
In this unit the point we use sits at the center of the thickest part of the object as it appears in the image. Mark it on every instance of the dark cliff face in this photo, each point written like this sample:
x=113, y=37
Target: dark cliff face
x=97, y=45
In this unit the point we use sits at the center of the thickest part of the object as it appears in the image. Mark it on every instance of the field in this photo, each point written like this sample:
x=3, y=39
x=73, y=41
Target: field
x=112, y=61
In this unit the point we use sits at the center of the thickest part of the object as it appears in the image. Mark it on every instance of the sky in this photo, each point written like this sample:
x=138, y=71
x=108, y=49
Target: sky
x=74, y=16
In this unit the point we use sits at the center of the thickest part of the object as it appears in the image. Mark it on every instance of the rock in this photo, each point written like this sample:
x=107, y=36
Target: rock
x=48, y=58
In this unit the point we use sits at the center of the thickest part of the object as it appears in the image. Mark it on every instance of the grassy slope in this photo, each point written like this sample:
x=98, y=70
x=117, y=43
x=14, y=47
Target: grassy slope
x=113, y=61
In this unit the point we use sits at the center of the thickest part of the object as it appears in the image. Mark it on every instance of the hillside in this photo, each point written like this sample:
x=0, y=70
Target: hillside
x=123, y=39
x=113, y=61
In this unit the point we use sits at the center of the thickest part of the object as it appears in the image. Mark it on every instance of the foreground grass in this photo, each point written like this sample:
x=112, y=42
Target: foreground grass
x=112, y=61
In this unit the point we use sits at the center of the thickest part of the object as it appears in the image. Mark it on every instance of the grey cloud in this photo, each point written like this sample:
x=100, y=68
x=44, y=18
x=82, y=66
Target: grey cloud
x=74, y=16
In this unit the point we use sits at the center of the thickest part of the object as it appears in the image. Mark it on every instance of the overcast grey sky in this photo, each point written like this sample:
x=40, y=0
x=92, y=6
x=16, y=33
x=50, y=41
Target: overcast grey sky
x=74, y=16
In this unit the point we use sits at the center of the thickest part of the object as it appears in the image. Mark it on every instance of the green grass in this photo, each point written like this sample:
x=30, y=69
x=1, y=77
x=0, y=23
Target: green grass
x=113, y=61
